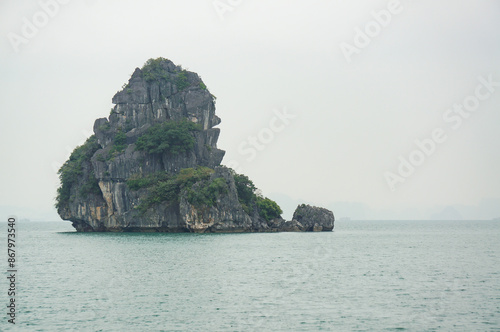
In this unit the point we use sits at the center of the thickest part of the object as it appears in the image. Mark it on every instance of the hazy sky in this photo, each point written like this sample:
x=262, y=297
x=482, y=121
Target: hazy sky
x=320, y=101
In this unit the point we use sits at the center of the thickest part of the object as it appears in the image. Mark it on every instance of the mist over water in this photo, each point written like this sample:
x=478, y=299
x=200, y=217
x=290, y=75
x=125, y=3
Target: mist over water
x=366, y=275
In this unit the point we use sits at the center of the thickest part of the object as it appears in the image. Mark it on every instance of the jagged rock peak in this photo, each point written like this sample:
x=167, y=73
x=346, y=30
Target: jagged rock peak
x=158, y=92
x=154, y=165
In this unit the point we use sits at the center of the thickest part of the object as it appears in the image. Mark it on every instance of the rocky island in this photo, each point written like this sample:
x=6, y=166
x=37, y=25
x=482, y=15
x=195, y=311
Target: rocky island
x=153, y=166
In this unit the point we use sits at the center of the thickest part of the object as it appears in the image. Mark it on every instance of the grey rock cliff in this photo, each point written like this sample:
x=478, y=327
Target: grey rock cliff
x=311, y=218
x=186, y=191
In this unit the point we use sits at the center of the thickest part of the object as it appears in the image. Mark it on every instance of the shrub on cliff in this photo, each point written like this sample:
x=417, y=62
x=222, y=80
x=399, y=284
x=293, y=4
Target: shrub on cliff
x=207, y=192
x=267, y=208
x=154, y=71
x=246, y=191
x=173, y=137
x=73, y=168
x=164, y=187
x=181, y=81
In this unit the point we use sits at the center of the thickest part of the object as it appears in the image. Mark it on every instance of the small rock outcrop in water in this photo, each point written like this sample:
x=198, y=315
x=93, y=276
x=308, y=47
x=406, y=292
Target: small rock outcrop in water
x=154, y=165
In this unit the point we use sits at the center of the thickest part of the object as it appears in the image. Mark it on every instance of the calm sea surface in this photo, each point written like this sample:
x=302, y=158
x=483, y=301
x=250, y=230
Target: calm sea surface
x=364, y=276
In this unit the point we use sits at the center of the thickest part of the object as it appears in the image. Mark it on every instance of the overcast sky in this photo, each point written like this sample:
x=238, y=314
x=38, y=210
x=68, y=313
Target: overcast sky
x=321, y=101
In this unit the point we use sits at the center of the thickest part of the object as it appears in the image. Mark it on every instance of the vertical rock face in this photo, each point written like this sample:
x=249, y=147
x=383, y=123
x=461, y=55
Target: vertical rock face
x=154, y=165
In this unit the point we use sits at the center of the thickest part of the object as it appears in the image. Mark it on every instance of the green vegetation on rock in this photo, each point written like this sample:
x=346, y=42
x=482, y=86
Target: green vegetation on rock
x=91, y=186
x=154, y=71
x=181, y=81
x=106, y=126
x=173, y=137
x=267, y=208
x=205, y=194
x=119, y=141
x=246, y=191
x=119, y=145
x=73, y=168
x=137, y=182
x=164, y=187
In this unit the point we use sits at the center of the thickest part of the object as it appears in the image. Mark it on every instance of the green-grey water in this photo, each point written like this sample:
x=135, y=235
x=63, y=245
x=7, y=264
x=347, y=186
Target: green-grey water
x=364, y=276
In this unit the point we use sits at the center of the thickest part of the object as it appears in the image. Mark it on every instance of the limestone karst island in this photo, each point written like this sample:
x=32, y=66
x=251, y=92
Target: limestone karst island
x=153, y=166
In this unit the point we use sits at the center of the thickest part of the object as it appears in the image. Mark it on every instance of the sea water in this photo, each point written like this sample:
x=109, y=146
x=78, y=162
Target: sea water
x=363, y=276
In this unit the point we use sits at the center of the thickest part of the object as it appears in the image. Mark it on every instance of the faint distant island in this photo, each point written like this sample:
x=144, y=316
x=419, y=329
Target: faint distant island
x=154, y=165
